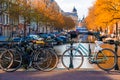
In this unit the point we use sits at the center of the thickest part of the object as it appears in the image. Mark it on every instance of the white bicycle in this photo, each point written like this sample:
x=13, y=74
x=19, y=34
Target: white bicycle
x=104, y=58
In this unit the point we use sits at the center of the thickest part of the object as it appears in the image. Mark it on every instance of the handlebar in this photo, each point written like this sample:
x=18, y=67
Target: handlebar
x=24, y=41
x=113, y=42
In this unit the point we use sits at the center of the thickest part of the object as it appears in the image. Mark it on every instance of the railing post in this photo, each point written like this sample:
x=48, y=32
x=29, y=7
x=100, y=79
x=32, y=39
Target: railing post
x=116, y=49
x=71, y=56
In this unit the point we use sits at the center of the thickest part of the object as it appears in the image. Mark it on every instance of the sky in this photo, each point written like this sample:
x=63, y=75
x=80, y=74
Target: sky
x=81, y=6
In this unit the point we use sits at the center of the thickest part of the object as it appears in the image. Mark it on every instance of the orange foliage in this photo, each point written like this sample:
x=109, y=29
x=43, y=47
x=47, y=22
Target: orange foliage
x=42, y=11
x=103, y=13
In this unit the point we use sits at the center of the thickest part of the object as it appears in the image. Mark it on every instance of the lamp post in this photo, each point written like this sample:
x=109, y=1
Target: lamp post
x=116, y=50
x=71, y=56
x=116, y=47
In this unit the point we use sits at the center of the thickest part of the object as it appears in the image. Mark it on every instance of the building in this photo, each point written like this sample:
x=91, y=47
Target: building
x=82, y=29
x=9, y=26
x=81, y=26
x=73, y=15
x=4, y=19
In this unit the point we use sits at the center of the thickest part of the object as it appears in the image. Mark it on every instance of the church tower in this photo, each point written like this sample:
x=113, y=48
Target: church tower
x=74, y=10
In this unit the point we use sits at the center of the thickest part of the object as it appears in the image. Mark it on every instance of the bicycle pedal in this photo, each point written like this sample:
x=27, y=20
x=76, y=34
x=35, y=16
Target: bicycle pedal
x=93, y=62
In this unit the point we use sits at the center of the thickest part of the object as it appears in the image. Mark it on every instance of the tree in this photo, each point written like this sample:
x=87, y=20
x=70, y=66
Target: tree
x=103, y=13
x=68, y=23
x=39, y=11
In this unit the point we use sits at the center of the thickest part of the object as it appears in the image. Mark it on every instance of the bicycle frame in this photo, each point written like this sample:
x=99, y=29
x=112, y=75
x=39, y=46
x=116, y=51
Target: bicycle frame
x=101, y=60
x=25, y=54
x=87, y=53
x=98, y=56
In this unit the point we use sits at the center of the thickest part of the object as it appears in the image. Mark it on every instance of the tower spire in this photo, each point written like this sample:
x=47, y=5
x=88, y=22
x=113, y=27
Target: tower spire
x=74, y=9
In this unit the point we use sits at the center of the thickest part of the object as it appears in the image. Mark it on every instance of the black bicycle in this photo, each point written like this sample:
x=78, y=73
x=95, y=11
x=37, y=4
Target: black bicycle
x=25, y=54
x=30, y=54
x=48, y=47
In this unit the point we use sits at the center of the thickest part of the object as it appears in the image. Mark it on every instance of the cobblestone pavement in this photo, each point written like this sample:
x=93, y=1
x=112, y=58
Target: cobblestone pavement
x=61, y=75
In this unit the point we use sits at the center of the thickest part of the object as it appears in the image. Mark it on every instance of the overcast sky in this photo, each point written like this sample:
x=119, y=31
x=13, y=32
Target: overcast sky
x=81, y=6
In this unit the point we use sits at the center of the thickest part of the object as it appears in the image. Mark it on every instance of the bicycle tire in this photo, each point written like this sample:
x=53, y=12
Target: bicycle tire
x=34, y=58
x=77, y=57
x=53, y=63
x=2, y=50
x=6, y=60
x=42, y=59
x=106, y=59
x=17, y=61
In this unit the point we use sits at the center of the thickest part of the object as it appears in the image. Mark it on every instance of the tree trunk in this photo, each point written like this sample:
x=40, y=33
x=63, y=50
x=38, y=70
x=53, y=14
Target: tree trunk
x=25, y=29
x=116, y=29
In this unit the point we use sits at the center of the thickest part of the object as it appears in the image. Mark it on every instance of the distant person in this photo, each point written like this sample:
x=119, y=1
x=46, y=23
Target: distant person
x=74, y=35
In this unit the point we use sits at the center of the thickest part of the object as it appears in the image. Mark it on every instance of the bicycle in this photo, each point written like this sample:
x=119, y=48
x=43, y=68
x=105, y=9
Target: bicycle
x=104, y=58
x=116, y=44
x=31, y=54
x=25, y=54
x=48, y=46
x=6, y=55
x=6, y=59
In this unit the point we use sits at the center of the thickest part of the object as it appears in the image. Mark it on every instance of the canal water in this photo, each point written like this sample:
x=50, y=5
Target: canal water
x=61, y=48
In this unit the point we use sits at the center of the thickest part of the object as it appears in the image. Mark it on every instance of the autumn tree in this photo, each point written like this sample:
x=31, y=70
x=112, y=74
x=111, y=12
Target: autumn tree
x=14, y=11
x=104, y=13
x=68, y=23
x=40, y=11
x=52, y=17
x=90, y=19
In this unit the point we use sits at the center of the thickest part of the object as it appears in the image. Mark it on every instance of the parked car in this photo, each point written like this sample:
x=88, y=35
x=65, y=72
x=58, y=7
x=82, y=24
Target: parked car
x=43, y=35
x=34, y=37
x=3, y=41
x=16, y=39
x=58, y=40
x=51, y=35
x=64, y=38
x=3, y=38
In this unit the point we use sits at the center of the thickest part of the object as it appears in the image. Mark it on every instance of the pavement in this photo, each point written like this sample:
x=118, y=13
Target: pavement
x=60, y=74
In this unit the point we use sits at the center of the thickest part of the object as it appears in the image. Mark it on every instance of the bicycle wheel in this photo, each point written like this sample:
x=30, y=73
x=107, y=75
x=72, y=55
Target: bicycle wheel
x=6, y=60
x=106, y=59
x=72, y=59
x=42, y=59
x=2, y=50
x=17, y=61
x=54, y=61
